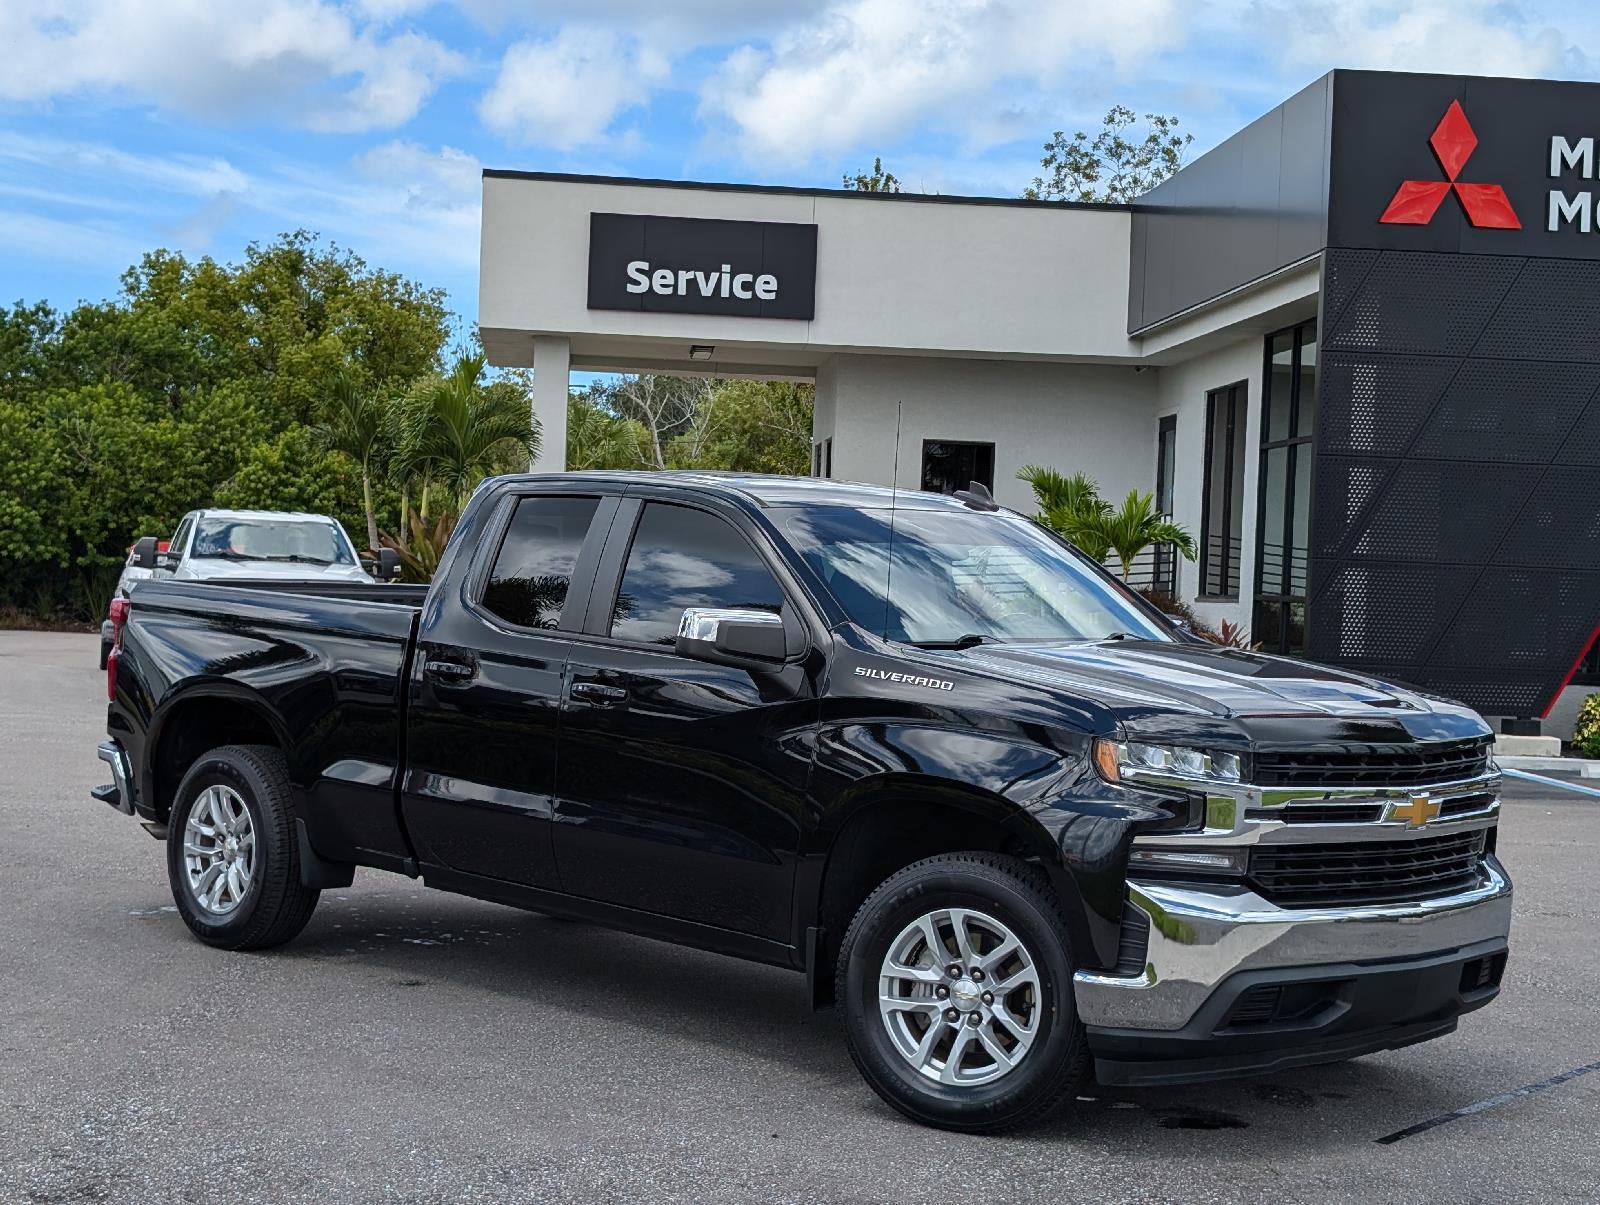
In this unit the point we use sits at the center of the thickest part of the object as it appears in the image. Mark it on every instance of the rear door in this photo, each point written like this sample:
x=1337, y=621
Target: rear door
x=486, y=688
x=682, y=785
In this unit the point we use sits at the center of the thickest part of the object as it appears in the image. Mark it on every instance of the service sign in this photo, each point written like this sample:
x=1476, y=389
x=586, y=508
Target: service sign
x=702, y=266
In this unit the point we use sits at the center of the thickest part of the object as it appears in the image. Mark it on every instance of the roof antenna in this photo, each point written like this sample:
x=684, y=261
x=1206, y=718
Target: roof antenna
x=977, y=497
x=894, y=497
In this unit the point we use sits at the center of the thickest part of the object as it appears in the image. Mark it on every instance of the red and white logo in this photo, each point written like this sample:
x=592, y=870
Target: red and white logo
x=1416, y=201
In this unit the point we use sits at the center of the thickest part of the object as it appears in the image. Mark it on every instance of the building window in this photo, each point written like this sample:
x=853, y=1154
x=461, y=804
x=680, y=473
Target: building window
x=1288, y=408
x=1222, y=510
x=822, y=458
x=1164, y=577
x=948, y=466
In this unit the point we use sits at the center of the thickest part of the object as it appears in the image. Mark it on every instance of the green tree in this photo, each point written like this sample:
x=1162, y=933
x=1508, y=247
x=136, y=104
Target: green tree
x=1072, y=506
x=599, y=439
x=1136, y=525
x=751, y=427
x=196, y=383
x=456, y=429
x=1110, y=167
x=356, y=423
x=1069, y=505
x=877, y=180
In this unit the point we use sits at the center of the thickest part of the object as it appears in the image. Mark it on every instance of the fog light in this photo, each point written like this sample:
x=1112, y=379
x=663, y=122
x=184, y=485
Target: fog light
x=1226, y=861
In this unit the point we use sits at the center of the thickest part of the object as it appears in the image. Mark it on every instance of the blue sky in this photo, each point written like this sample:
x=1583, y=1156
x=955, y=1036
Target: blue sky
x=203, y=125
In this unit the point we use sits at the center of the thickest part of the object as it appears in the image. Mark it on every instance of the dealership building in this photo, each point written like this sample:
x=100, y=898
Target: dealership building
x=1355, y=349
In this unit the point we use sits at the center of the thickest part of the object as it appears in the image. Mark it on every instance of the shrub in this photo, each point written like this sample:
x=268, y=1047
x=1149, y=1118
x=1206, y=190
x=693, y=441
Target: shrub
x=1586, y=734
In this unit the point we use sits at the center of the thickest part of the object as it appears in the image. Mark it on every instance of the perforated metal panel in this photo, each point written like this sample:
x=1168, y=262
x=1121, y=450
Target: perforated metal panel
x=1508, y=410
x=1421, y=302
x=1553, y=306
x=1456, y=513
x=1386, y=400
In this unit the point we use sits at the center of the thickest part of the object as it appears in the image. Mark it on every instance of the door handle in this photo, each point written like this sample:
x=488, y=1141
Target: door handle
x=599, y=692
x=448, y=671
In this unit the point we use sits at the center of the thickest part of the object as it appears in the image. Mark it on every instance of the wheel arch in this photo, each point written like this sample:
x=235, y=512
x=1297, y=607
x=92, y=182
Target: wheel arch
x=199, y=718
x=883, y=824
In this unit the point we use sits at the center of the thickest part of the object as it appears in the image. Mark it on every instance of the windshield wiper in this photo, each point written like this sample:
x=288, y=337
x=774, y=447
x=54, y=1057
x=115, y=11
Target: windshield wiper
x=960, y=642
x=298, y=558
x=224, y=555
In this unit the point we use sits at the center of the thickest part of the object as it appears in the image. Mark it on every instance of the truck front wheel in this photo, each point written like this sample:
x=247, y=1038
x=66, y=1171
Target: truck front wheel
x=956, y=984
x=231, y=851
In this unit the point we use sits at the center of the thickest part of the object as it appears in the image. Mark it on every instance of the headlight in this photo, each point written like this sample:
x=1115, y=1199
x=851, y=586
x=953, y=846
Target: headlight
x=1114, y=759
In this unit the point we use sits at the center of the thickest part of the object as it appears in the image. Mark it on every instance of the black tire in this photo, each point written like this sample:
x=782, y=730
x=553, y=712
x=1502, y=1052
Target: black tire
x=1015, y=894
x=105, y=653
x=275, y=906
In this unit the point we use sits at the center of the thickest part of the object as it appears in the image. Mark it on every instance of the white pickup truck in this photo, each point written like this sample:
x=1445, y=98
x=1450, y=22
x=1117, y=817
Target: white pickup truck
x=259, y=545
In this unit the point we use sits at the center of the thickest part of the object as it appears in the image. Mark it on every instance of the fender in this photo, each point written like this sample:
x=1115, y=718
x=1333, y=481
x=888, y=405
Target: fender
x=1034, y=783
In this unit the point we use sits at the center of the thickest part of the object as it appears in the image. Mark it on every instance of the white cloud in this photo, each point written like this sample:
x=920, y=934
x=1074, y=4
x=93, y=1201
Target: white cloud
x=567, y=91
x=1472, y=37
x=306, y=63
x=867, y=70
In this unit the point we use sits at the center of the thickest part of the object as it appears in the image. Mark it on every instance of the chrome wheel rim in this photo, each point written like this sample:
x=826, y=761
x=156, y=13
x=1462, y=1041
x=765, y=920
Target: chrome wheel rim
x=219, y=850
x=959, y=995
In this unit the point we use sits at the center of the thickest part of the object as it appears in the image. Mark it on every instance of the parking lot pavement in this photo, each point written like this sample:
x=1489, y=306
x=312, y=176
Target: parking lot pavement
x=414, y=1045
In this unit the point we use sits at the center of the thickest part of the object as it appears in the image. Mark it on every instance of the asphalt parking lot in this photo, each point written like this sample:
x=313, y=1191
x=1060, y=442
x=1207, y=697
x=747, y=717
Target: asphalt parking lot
x=412, y=1045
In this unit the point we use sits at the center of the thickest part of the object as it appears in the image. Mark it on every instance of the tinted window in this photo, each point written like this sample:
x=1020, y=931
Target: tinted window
x=686, y=558
x=936, y=576
x=533, y=569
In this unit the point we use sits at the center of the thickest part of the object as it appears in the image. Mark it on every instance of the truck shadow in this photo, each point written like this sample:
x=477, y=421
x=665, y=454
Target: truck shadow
x=408, y=940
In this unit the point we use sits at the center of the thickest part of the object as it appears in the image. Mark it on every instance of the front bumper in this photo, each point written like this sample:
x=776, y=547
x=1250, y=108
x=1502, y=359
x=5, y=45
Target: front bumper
x=1233, y=984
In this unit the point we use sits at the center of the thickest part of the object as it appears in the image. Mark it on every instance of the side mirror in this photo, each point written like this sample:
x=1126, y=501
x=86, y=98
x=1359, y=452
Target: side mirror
x=388, y=565
x=144, y=552
x=745, y=639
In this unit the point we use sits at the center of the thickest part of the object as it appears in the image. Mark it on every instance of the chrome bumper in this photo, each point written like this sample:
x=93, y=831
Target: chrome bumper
x=119, y=792
x=1199, y=937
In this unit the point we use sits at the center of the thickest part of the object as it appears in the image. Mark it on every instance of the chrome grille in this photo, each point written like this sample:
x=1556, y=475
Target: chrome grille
x=1417, y=765
x=1367, y=872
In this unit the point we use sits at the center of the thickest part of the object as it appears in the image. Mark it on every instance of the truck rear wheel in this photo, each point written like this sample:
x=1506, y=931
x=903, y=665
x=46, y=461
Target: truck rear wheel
x=232, y=857
x=956, y=984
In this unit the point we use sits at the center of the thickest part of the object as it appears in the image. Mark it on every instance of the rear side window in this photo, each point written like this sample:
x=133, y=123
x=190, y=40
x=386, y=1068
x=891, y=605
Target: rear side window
x=680, y=558
x=532, y=572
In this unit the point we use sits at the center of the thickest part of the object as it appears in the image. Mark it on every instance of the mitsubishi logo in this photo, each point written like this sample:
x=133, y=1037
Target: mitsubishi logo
x=1416, y=201
x=1416, y=811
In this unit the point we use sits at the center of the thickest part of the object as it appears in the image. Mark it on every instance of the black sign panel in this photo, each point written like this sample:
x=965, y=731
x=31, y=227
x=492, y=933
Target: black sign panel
x=1457, y=163
x=702, y=266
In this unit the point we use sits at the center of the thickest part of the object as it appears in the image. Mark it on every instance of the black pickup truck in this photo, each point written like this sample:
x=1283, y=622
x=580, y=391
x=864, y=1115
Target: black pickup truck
x=1020, y=827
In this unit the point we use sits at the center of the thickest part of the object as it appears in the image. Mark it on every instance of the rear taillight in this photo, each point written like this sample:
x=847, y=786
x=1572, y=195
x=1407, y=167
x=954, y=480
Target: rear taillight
x=119, y=619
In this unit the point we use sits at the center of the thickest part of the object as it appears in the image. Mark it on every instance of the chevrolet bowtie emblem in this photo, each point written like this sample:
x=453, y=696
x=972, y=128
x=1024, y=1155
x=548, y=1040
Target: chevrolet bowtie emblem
x=1416, y=811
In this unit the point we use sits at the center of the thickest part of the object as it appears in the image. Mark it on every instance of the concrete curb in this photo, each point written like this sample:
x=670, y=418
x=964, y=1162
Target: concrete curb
x=1582, y=767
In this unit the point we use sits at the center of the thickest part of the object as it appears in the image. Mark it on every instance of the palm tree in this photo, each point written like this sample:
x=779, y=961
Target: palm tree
x=597, y=439
x=1135, y=526
x=355, y=422
x=1071, y=506
x=455, y=430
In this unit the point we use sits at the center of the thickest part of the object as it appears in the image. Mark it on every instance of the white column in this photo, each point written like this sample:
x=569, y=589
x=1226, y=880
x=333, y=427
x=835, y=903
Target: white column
x=552, y=364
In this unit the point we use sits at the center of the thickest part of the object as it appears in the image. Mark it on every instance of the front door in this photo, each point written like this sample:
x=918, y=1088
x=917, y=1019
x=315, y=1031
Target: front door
x=482, y=729
x=682, y=785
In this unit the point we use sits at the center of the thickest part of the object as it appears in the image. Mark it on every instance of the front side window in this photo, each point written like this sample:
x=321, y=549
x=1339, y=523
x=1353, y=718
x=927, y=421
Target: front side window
x=936, y=577
x=300, y=541
x=682, y=557
x=532, y=572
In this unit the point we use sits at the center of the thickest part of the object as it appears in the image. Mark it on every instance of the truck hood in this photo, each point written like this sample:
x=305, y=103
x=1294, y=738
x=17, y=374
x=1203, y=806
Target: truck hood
x=1138, y=677
x=212, y=569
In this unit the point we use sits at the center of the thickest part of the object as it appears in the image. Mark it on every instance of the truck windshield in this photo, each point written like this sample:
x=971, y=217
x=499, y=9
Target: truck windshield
x=309, y=541
x=960, y=577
